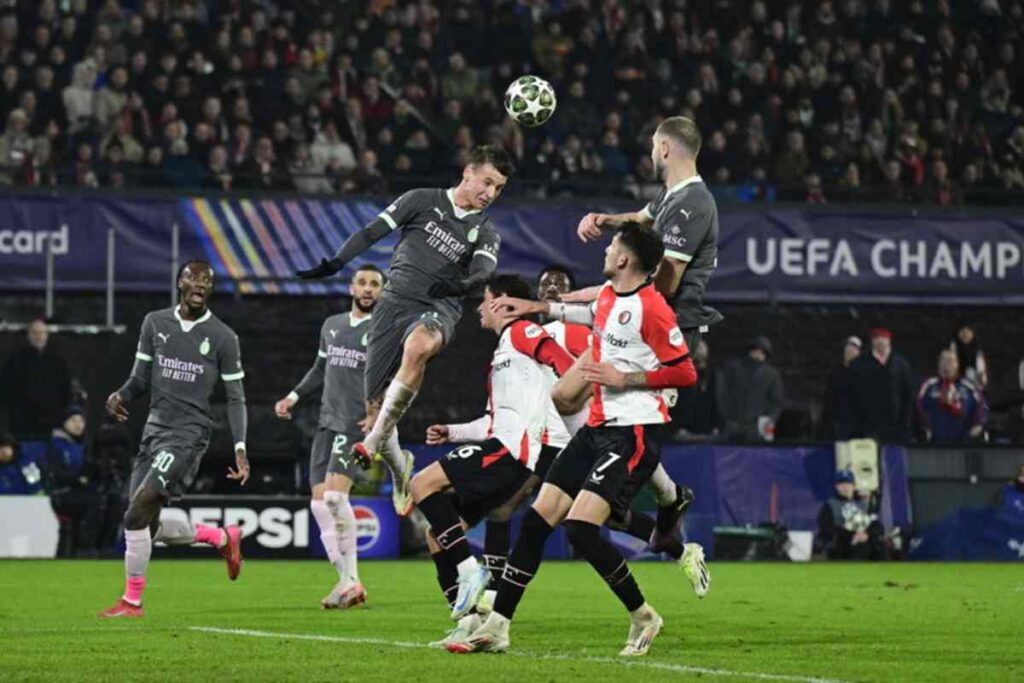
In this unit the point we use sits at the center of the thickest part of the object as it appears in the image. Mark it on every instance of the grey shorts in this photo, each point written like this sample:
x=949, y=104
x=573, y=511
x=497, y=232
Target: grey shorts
x=331, y=454
x=393, y=321
x=168, y=459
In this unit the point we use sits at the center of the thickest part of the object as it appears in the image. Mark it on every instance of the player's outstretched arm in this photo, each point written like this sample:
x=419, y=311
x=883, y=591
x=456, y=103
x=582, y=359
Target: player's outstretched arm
x=593, y=225
x=353, y=247
x=582, y=296
x=459, y=433
x=138, y=382
x=310, y=383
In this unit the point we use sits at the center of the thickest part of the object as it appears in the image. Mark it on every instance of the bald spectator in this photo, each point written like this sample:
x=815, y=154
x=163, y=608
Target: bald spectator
x=951, y=408
x=35, y=385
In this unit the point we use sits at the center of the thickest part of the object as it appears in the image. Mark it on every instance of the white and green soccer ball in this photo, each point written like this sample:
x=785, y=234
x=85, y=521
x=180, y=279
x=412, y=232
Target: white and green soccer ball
x=530, y=100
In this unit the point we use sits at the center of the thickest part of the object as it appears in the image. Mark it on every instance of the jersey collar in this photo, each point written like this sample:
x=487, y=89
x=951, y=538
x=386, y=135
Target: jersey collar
x=689, y=181
x=187, y=325
x=459, y=212
x=356, y=322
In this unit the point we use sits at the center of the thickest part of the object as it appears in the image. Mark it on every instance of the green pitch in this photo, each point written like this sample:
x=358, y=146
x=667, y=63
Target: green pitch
x=895, y=622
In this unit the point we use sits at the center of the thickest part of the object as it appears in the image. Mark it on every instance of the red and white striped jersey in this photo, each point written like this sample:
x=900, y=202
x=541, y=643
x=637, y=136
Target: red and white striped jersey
x=575, y=339
x=519, y=393
x=635, y=332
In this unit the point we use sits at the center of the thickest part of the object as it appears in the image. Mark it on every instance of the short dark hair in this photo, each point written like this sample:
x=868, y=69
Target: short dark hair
x=371, y=268
x=193, y=262
x=557, y=268
x=509, y=284
x=493, y=155
x=682, y=131
x=644, y=243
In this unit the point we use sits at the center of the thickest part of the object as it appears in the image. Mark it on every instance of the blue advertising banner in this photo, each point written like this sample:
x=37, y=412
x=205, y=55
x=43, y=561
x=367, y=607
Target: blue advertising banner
x=797, y=255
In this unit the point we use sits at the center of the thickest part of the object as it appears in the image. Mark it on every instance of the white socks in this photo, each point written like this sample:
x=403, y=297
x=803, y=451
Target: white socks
x=397, y=400
x=329, y=536
x=345, y=531
x=663, y=487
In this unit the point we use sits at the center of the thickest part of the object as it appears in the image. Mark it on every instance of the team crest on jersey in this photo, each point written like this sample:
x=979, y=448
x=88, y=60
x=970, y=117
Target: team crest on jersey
x=366, y=336
x=533, y=331
x=204, y=348
x=472, y=235
x=625, y=317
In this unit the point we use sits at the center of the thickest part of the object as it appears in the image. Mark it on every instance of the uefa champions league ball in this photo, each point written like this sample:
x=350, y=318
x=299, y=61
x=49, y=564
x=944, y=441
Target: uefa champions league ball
x=530, y=100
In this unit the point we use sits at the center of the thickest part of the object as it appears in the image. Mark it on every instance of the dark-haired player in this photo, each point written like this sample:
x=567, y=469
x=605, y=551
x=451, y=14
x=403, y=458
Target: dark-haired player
x=183, y=351
x=638, y=350
x=685, y=216
x=447, y=248
x=338, y=371
x=501, y=452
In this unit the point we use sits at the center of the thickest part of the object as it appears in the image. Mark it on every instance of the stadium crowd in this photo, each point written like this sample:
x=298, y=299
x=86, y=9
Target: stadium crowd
x=867, y=100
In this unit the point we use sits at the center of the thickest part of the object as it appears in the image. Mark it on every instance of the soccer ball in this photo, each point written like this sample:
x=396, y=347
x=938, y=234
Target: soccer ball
x=530, y=100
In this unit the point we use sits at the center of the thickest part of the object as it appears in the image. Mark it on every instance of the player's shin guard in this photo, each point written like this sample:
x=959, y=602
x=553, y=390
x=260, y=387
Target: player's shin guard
x=440, y=511
x=642, y=526
x=607, y=560
x=522, y=564
x=497, y=538
x=397, y=400
x=328, y=535
x=138, y=549
x=345, y=531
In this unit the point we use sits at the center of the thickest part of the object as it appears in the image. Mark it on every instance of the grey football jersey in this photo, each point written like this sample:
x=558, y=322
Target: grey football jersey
x=686, y=217
x=185, y=365
x=343, y=348
x=438, y=242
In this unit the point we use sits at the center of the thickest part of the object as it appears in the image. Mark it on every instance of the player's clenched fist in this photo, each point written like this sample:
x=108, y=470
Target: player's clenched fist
x=115, y=406
x=437, y=435
x=283, y=408
x=590, y=227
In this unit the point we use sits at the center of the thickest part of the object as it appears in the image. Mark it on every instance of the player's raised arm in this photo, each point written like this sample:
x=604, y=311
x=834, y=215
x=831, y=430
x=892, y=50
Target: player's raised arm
x=389, y=219
x=310, y=383
x=138, y=382
x=231, y=374
x=593, y=225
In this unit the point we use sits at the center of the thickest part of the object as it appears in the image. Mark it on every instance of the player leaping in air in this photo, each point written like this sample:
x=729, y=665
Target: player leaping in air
x=447, y=248
x=182, y=353
x=338, y=371
x=685, y=216
x=637, y=351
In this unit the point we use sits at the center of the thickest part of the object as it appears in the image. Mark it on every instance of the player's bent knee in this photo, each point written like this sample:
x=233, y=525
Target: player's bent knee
x=143, y=510
x=552, y=504
x=581, y=534
x=428, y=482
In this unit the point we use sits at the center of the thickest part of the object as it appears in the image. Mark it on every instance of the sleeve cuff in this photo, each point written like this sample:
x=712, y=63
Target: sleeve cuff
x=293, y=397
x=231, y=377
x=321, y=354
x=647, y=212
x=483, y=252
x=389, y=220
x=142, y=356
x=240, y=446
x=678, y=256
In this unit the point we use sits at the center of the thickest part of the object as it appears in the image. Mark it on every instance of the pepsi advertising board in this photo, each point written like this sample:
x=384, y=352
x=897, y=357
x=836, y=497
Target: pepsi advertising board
x=282, y=527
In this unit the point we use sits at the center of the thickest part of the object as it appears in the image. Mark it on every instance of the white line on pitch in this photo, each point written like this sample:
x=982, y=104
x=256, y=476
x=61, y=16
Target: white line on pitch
x=643, y=664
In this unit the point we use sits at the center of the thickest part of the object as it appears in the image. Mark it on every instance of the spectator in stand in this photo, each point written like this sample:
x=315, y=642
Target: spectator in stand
x=951, y=408
x=881, y=392
x=969, y=355
x=940, y=189
x=35, y=385
x=698, y=405
x=749, y=395
x=367, y=179
x=836, y=414
x=846, y=528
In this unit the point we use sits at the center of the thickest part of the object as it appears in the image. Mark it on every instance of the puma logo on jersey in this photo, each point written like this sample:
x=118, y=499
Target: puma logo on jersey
x=163, y=337
x=440, y=213
x=686, y=213
x=334, y=333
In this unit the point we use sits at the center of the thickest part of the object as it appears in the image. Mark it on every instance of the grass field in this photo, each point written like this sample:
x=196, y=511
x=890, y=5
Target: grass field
x=768, y=622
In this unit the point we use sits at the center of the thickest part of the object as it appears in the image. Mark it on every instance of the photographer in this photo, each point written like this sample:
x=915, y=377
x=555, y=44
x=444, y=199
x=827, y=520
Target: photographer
x=846, y=528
